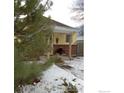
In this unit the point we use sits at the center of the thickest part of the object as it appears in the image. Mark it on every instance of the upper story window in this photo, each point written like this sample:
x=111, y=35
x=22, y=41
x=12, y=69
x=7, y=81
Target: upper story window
x=57, y=40
x=68, y=37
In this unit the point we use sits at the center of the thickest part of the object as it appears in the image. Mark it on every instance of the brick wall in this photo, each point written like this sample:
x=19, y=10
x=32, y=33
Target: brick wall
x=66, y=49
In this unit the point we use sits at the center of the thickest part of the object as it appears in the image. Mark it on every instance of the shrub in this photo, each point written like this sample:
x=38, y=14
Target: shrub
x=69, y=87
x=57, y=59
x=27, y=73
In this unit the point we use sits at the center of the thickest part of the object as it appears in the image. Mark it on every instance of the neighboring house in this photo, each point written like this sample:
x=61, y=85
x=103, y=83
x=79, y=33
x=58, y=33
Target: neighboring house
x=64, y=39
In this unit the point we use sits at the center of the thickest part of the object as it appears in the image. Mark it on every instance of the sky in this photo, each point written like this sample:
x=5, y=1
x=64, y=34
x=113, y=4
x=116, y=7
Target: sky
x=61, y=12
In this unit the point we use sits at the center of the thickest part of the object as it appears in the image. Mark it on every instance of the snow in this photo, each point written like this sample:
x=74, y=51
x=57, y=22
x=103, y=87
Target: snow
x=22, y=16
x=52, y=78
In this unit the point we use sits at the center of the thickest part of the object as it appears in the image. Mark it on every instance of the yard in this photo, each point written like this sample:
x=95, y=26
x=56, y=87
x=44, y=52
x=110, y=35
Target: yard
x=59, y=78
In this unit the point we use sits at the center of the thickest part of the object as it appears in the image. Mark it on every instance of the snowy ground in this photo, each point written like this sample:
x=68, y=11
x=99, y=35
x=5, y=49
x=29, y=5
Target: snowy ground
x=77, y=65
x=52, y=79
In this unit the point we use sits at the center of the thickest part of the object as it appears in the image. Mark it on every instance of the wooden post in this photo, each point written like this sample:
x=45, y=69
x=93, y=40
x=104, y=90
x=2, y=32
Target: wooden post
x=70, y=46
x=48, y=52
x=52, y=42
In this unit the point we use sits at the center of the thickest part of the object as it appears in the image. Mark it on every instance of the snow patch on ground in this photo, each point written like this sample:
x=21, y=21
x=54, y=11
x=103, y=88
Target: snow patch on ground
x=77, y=65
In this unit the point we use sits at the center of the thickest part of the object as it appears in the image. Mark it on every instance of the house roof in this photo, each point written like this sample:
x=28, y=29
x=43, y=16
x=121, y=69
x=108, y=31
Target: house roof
x=62, y=28
x=61, y=24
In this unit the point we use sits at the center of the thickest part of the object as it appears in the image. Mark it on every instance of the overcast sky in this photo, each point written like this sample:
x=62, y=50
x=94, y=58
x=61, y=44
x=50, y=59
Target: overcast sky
x=61, y=12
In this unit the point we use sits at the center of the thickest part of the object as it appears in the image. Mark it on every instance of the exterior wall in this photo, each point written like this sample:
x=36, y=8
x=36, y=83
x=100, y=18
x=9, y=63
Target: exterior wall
x=62, y=38
x=74, y=37
x=63, y=44
x=66, y=49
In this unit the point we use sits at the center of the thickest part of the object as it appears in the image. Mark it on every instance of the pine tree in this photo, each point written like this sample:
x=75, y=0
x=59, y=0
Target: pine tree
x=32, y=38
x=31, y=29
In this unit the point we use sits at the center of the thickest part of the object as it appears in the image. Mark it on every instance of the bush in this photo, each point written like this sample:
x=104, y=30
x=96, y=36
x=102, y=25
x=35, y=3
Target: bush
x=57, y=59
x=27, y=73
x=69, y=87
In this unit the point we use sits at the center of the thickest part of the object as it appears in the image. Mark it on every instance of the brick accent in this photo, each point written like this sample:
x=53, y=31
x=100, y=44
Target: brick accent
x=66, y=49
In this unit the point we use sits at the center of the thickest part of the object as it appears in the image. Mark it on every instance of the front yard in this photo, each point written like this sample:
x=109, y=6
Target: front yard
x=58, y=79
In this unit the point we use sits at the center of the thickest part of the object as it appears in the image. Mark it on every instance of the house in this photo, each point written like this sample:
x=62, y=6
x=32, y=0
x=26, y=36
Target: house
x=64, y=39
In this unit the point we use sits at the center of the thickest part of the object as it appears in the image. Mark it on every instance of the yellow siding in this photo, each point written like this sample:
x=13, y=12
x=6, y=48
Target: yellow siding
x=62, y=38
x=74, y=37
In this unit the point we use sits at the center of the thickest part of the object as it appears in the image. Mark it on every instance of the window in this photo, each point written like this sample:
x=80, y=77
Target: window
x=57, y=40
x=68, y=37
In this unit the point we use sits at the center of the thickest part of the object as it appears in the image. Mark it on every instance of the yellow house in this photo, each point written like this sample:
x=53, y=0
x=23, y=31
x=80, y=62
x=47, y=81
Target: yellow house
x=64, y=39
